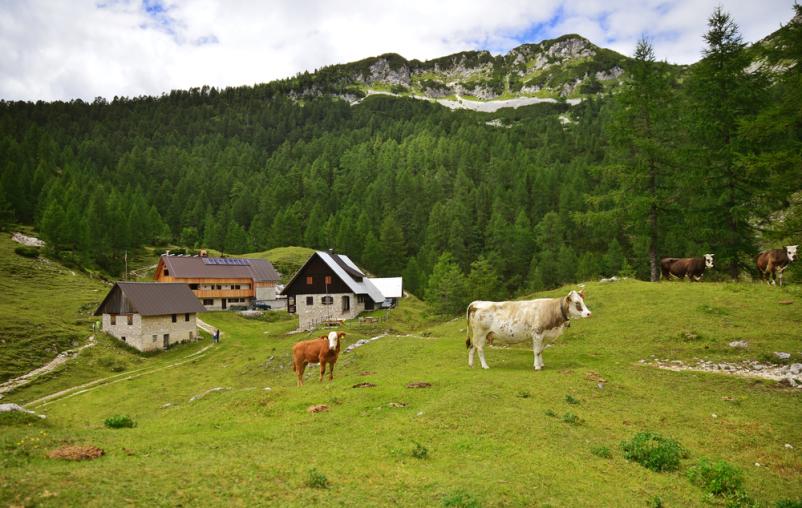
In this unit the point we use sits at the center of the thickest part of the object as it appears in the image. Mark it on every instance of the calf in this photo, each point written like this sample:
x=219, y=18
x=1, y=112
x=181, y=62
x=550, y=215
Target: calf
x=323, y=350
x=512, y=322
x=772, y=263
x=694, y=268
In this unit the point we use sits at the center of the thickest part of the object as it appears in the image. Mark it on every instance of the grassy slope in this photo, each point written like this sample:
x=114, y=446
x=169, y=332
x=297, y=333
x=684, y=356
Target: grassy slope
x=287, y=260
x=485, y=438
x=45, y=308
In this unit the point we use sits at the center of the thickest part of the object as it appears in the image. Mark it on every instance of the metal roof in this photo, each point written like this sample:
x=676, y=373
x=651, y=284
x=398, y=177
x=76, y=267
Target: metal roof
x=150, y=299
x=197, y=267
x=358, y=287
x=390, y=287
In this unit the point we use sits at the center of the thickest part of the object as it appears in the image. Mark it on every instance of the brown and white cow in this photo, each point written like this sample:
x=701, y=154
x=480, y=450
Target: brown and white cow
x=694, y=268
x=772, y=263
x=323, y=350
x=519, y=321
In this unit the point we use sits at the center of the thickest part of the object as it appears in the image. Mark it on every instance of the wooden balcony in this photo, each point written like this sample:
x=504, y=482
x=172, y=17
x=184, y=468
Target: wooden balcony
x=224, y=293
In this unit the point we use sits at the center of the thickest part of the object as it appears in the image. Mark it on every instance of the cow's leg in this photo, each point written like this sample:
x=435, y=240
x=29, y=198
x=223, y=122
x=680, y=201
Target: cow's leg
x=331, y=371
x=471, y=351
x=471, y=344
x=300, y=371
x=322, y=369
x=480, y=348
x=537, y=349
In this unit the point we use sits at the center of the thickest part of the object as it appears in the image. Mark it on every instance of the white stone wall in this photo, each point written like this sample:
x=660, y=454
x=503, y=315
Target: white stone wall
x=310, y=315
x=217, y=303
x=265, y=293
x=140, y=334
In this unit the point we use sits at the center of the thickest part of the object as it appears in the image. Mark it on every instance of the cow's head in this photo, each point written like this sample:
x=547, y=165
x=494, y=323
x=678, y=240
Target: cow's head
x=709, y=260
x=790, y=251
x=334, y=339
x=576, y=304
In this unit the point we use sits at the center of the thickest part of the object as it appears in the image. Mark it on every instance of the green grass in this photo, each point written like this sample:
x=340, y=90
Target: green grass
x=45, y=309
x=486, y=444
x=287, y=260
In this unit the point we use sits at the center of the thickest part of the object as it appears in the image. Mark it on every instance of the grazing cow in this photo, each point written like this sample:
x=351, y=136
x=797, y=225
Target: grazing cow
x=772, y=263
x=512, y=322
x=694, y=268
x=322, y=350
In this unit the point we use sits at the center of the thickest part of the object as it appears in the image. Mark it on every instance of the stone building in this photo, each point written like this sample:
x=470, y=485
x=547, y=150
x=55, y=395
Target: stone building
x=150, y=315
x=330, y=287
x=219, y=283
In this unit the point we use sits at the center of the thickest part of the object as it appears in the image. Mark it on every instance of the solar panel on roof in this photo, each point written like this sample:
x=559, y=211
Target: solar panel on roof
x=226, y=261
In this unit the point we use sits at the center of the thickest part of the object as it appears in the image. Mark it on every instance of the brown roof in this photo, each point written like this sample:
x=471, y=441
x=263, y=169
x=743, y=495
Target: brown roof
x=150, y=299
x=197, y=267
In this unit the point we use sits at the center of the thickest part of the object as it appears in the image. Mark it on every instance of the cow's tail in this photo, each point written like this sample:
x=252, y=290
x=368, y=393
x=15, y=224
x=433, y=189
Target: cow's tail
x=468, y=315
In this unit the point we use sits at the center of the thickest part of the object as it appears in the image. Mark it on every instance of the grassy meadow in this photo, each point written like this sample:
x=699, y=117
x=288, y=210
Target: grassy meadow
x=507, y=436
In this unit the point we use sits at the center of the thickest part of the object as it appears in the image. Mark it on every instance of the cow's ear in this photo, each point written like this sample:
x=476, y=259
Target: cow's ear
x=582, y=293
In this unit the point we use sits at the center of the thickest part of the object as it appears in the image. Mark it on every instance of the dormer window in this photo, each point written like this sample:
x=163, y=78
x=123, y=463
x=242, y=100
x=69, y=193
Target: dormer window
x=309, y=280
x=166, y=272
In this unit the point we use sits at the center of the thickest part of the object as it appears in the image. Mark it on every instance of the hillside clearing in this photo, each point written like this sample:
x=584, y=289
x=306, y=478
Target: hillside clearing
x=472, y=434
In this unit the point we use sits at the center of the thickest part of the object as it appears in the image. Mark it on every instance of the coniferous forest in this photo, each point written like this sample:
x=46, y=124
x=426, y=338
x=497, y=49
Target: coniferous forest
x=676, y=161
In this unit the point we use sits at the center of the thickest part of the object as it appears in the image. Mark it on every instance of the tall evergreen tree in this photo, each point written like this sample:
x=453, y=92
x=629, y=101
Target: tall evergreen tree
x=446, y=290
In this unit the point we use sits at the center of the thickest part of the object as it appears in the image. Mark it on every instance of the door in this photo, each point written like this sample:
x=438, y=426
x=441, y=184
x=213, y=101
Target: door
x=166, y=340
x=223, y=303
x=346, y=303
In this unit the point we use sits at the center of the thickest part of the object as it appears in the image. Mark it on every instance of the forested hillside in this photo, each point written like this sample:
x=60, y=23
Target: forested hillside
x=670, y=164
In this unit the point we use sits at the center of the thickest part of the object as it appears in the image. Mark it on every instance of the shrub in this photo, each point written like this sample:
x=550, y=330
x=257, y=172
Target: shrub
x=654, y=451
x=572, y=419
x=28, y=252
x=656, y=502
x=569, y=399
x=601, y=451
x=551, y=413
x=420, y=451
x=788, y=503
x=316, y=480
x=717, y=478
x=119, y=422
x=523, y=394
x=460, y=499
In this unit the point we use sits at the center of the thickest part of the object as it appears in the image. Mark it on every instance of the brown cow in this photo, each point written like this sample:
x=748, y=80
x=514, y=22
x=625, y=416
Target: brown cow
x=322, y=350
x=694, y=268
x=772, y=263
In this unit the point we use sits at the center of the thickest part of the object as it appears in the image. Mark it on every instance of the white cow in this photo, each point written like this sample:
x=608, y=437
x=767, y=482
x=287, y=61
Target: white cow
x=513, y=322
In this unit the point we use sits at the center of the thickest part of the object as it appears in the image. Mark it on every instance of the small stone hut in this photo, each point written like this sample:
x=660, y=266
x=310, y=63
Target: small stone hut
x=150, y=315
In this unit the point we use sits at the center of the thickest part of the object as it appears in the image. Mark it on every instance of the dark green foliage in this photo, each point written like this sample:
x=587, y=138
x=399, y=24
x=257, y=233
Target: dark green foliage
x=571, y=400
x=718, y=478
x=316, y=480
x=446, y=289
x=654, y=451
x=550, y=413
x=572, y=419
x=789, y=503
x=460, y=499
x=119, y=422
x=656, y=502
x=27, y=252
x=602, y=452
x=19, y=418
x=420, y=451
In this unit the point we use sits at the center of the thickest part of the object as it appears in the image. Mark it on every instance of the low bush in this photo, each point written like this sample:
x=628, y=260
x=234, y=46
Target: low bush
x=602, y=451
x=420, y=451
x=788, y=503
x=569, y=399
x=572, y=419
x=718, y=478
x=460, y=499
x=654, y=451
x=551, y=413
x=316, y=480
x=27, y=252
x=119, y=422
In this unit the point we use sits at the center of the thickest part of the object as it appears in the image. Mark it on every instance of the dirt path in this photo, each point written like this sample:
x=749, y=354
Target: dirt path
x=59, y=360
x=110, y=380
x=124, y=376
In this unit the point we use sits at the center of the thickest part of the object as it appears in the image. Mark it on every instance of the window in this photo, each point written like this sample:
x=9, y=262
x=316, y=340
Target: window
x=346, y=303
x=113, y=320
x=194, y=286
x=218, y=286
x=166, y=272
x=235, y=286
x=155, y=337
x=327, y=300
x=291, y=300
x=130, y=319
x=328, y=279
x=174, y=318
x=186, y=316
x=310, y=300
x=309, y=280
x=360, y=298
x=123, y=338
x=208, y=301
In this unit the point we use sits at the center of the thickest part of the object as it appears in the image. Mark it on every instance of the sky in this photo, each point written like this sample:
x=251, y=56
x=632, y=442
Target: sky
x=70, y=49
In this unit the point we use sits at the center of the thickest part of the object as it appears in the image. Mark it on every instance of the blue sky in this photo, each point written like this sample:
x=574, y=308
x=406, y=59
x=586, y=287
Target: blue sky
x=51, y=49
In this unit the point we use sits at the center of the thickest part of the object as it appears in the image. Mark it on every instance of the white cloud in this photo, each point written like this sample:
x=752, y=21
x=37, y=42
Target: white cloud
x=51, y=49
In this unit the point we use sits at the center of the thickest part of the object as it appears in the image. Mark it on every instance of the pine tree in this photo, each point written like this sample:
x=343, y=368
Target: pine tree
x=723, y=93
x=483, y=282
x=641, y=131
x=393, y=247
x=446, y=290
